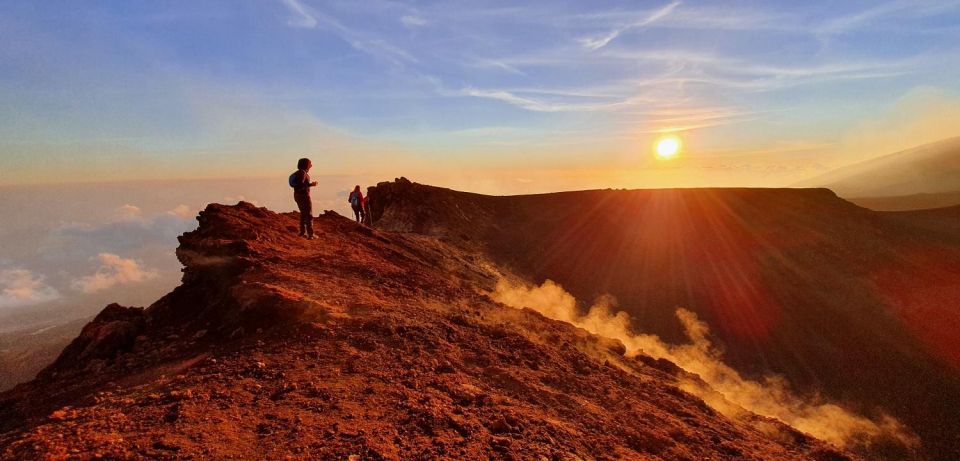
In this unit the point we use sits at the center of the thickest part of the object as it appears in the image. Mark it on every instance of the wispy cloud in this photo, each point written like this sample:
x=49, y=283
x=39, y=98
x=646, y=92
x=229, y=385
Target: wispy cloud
x=540, y=105
x=891, y=11
x=600, y=41
x=495, y=64
x=361, y=40
x=691, y=67
x=687, y=79
x=301, y=18
x=412, y=21
x=635, y=106
x=692, y=118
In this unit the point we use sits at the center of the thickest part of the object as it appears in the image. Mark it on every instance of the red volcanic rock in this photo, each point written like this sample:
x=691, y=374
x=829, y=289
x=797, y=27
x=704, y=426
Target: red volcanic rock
x=362, y=344
x=111, y=332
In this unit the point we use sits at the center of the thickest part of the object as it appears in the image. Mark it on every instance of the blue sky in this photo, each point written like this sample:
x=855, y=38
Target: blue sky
x=760, y=93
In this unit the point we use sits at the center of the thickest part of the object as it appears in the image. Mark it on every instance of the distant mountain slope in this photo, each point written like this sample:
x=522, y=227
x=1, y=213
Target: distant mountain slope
x=908, y=202
x=23, y=353
x=360, y=345
x=860, y=306
x=928, y=169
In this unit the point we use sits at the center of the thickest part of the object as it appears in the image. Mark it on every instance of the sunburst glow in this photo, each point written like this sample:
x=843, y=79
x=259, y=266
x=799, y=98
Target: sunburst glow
x=668, y=147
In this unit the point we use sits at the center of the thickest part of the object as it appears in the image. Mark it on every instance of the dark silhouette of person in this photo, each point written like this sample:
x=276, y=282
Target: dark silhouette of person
x=356, y=202
x=300, y=181
x=367, y=218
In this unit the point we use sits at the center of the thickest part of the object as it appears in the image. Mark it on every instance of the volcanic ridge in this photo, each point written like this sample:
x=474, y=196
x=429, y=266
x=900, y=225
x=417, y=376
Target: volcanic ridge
x=390, y=342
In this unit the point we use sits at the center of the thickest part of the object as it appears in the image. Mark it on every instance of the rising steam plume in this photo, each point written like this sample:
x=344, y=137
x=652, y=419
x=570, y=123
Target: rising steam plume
x=726, y=391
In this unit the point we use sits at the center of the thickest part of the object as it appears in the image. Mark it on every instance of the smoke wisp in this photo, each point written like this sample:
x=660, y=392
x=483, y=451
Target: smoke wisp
x=727, y=391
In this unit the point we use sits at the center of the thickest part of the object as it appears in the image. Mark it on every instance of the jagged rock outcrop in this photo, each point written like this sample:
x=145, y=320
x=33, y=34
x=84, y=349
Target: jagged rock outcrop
x=360, y=345
x=113, y=331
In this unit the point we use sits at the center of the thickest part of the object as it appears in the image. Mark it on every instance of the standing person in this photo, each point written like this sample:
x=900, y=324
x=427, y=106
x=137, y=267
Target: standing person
x=367, y=218
x=300, y=182
x=356, y=202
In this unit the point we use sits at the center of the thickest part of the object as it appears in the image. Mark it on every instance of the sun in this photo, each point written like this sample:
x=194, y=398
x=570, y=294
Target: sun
x=668, y=147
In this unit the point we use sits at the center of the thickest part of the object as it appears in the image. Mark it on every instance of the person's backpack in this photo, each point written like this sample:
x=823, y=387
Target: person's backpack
x=293, y=179
x=355, y=199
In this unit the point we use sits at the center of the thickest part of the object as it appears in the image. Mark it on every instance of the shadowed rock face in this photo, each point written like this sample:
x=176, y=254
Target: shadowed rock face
x=858, y=305
x=364, y=342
